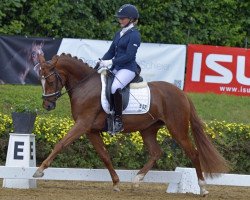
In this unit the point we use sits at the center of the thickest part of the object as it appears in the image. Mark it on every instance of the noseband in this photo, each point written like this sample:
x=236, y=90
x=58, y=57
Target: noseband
x=57, y=92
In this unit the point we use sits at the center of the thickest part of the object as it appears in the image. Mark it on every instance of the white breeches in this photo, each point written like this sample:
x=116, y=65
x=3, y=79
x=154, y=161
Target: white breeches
x=122, y=78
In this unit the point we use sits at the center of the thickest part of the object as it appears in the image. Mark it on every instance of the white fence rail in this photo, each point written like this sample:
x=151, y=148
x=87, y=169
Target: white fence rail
x=230, y=180
x=182, y=180
x=88, y=174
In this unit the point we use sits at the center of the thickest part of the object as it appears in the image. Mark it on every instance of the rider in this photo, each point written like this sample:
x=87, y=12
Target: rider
x=120, y=58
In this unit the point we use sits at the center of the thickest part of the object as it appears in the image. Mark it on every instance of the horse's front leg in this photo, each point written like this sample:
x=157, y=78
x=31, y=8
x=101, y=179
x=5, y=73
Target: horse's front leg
x=99, y=146
x=75, y=132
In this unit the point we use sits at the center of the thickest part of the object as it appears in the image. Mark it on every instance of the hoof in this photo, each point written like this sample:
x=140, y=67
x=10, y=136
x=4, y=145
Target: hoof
x=134, y=186
x=204, y=193
x=38, y=174
x=138, y=179
x=116, y=188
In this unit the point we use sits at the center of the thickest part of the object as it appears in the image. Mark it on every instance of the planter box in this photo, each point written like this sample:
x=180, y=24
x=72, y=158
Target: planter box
x=23, y=122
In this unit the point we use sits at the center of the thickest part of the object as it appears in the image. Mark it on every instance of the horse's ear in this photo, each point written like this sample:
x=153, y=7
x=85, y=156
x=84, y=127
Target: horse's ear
x=35, y=45
x=41, y=44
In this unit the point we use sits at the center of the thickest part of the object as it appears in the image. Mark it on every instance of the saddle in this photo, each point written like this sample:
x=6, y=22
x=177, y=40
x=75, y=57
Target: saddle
x=136, y=105
x=125, y=91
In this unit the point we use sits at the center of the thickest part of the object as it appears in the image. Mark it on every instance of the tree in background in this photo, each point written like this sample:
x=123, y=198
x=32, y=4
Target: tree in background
x=225, y=22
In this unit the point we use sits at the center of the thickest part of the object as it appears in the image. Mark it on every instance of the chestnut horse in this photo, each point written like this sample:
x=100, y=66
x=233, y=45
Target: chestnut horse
x=169, y=107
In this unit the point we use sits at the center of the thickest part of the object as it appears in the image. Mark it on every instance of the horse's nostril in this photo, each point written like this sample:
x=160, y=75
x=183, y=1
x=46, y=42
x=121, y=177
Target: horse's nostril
x=51, y=106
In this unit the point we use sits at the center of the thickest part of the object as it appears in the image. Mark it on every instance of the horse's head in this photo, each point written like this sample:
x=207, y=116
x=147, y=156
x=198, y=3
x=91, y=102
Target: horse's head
x=52, y=83
x=51, y=80
x=37, y=55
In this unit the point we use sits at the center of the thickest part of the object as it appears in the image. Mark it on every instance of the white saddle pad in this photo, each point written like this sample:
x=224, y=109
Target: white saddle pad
x=139, y=98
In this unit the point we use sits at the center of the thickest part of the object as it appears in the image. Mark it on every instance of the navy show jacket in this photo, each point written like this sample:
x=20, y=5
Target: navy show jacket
x=123, y=50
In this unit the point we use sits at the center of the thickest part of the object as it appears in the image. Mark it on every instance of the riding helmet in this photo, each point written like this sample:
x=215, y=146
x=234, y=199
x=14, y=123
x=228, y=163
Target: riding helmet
x=127, y=11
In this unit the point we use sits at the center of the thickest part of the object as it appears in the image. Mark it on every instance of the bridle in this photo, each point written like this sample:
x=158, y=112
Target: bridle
x=57, y=92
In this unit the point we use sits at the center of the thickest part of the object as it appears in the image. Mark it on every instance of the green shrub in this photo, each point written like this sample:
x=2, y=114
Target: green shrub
x=127, y=150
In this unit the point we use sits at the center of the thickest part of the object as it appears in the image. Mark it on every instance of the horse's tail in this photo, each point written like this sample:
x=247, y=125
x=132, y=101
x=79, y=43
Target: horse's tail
x=210, y=159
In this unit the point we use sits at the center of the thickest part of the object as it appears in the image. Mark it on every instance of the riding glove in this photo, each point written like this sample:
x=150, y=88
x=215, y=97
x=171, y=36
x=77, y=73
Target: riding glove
x=106, y=63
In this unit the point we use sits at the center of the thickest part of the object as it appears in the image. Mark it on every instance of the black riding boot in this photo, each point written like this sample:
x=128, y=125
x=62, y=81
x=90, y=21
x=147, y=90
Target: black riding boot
x=118, y=126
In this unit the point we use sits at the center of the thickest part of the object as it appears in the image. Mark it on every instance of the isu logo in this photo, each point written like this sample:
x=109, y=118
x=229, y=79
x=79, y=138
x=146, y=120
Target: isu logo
x=225, y=75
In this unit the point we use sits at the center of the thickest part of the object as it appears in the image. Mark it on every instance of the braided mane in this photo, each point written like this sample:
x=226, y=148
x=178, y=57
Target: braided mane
x=55, y=58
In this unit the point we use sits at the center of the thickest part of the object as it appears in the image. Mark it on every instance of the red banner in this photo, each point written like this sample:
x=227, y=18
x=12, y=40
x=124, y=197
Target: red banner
x=218, y=70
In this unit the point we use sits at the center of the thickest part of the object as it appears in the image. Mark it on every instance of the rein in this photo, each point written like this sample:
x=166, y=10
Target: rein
x=81, y=81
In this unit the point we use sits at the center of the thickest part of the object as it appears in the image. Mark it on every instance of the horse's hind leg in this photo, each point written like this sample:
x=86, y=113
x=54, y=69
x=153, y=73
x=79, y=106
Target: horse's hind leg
x=155, y=152
x=193, y=154
x=99, y=146
x=180, y=134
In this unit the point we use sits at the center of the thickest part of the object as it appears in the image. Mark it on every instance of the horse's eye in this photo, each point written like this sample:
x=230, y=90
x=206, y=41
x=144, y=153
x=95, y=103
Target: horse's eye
x=33, y=54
